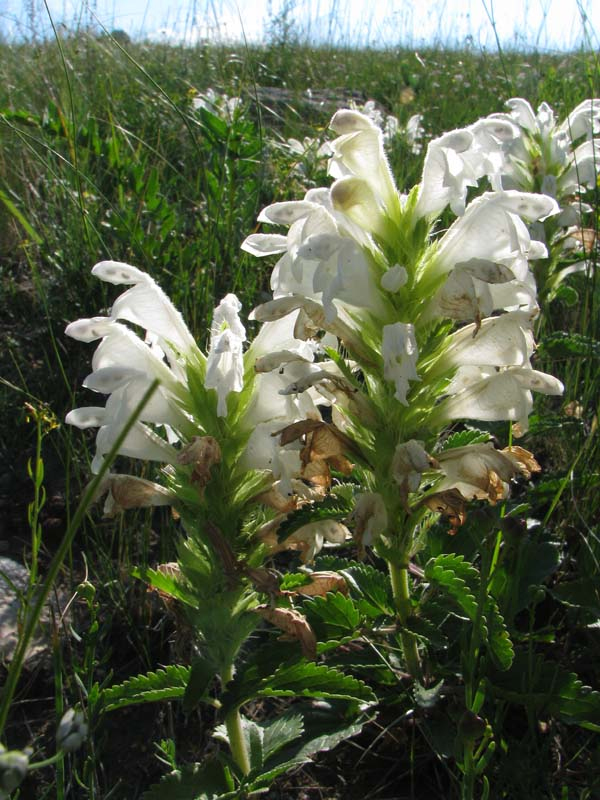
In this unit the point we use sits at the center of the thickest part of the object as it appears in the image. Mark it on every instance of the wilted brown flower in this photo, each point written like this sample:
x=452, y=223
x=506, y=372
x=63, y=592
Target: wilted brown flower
x=202, y=452
x=126, y=491
x=323, y=450
x=321, y=583
x=449, y=504
x=294, y=626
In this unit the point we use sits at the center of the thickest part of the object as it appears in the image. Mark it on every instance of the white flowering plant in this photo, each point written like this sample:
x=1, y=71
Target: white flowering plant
x=360, y=415
x=562, y=161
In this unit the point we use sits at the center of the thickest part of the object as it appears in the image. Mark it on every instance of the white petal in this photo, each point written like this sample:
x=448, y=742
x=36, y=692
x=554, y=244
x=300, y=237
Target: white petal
x=347, y=121
x=109, y=379
x=88, y=330
x=265, y=244
x=141, y=442
x=394, y=278
x=149, y=307
x=117, y=272
x=86, y=417
x=506, y=340
x=287, y=212
x=538, y=381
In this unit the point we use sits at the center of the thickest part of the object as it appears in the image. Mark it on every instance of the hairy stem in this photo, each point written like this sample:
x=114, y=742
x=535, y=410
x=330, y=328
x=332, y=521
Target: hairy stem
x=235, y=733
x=401, y=592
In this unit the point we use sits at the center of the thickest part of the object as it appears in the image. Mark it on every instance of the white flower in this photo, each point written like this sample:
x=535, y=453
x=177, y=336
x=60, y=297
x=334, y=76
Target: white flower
x=477, y=471
x=127, y=491
x=501, y=341
x=547, y=151
x=359, y=152
x=124, y=367
x=72, y=731
x=485, y=393
x=146, y=305
x=225, y=362
x=13, y=769
x=312, y=537
x=400, y=353
x=221, y=105
x=492, y=229
x=449, y=170
x=414, y=132
x=409, y=463
x=321, y=259
x=370, y=517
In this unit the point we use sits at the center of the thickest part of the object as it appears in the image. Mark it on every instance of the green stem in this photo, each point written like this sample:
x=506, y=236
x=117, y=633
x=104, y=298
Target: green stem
x=47, y=762
x=401, y=592
x=235, y=732
x=468, y=783
x=39, y=599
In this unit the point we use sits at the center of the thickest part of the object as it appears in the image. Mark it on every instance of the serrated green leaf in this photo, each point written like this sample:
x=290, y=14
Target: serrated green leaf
x=427, y=630
x=581, y=593
x=363, y=660
x=372, y=586
x=166, y=584
x=208, y=781
x=463, y=438
x=323, y=730
x=498, y=638
x=530, y=564
x=281, y=731
x=332, y=507
x=332, y=617
x=201, y=674
x=293, y=580
x=455, y=576
x=547, y=689
x=563, y=344
x=307, y=679
x=164, y=684
x=300, y=679
x=253, y=735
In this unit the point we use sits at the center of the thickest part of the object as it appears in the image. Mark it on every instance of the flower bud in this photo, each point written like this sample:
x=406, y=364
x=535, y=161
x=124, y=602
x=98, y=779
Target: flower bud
x=72, y=731
x=471, y=726
x=13, y=769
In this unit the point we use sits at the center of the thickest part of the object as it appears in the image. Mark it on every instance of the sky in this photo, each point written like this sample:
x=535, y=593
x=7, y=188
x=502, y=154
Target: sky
x=542, y=24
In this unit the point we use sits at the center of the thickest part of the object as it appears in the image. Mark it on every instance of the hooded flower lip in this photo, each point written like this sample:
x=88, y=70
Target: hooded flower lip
x=358, y=151
x=409, y=463
x=280, y=307
x=146, y=304
x=321, y=258
x=127, y=491
x=492, y=229
x=485, y=393
x=447, y=174
x=370, y=519
x=506, y=340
